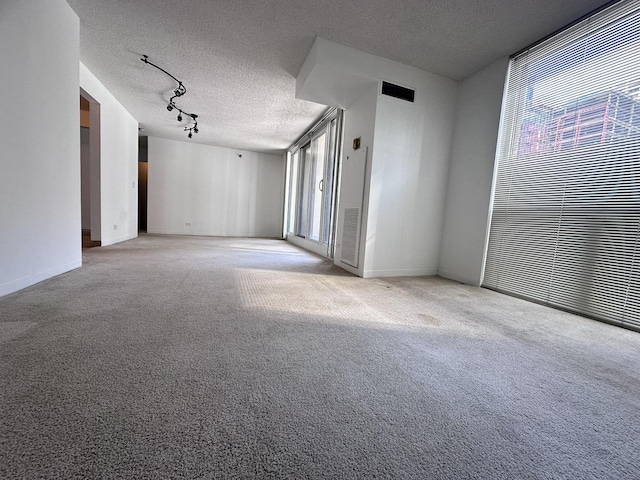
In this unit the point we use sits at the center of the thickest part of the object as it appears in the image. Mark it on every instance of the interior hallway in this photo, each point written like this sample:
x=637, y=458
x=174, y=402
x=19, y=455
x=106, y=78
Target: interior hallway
x=199, y=357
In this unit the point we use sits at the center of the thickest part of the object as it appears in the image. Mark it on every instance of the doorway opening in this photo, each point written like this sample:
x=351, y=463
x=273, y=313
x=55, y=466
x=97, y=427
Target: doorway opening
x=143, y=173
x=90, y=170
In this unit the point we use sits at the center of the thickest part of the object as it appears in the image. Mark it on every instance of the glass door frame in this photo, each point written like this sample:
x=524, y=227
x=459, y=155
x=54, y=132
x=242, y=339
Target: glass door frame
x=310, y=186
x=330, y=125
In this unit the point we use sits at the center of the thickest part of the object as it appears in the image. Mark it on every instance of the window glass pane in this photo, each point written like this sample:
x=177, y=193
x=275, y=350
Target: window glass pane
x=328, y=180
x=318, y=146
x=305, y=188
x=293, y=192
x=565, y=226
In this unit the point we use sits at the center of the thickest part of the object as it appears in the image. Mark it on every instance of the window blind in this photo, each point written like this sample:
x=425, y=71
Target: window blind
x=565, y=220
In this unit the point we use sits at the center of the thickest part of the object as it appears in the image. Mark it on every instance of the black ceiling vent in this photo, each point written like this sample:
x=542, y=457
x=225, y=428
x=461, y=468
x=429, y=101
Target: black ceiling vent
x=397, y=91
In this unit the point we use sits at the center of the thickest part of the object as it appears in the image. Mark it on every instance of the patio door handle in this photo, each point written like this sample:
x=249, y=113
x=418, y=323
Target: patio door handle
x=321, y=184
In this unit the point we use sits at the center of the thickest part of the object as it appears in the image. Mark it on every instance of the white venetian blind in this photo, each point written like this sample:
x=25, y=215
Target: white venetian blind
x=565, y=226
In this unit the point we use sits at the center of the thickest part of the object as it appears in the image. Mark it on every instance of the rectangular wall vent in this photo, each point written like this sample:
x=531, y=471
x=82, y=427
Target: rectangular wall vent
x=350, y=238
x=397, y=91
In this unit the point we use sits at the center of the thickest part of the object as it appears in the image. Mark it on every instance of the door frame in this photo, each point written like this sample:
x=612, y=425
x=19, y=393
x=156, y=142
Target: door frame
x=294, y=191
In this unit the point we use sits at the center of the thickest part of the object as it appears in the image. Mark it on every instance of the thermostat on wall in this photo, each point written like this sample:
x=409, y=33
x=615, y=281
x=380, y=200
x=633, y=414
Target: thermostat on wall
x=356, y=143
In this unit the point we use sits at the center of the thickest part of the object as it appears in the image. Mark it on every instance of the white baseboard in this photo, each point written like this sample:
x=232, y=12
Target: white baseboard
x=400, y=272
x=113, y=241
x=460, y=278
x=26, y=281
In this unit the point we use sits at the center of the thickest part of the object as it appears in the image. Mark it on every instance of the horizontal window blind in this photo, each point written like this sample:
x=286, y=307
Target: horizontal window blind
x=565, y=223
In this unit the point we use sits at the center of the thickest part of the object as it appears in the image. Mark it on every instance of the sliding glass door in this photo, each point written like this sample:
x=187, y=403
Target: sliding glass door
x=311, y=174
x=306, y=191
x=312, y=194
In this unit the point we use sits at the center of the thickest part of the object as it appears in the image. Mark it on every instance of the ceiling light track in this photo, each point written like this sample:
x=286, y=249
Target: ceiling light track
x=178, y=92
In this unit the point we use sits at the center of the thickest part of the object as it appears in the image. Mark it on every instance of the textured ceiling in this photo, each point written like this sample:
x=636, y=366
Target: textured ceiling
x=239, y=58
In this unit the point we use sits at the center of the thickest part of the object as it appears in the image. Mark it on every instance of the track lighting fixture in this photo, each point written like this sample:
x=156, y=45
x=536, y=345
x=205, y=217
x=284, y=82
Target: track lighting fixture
x=178, y=92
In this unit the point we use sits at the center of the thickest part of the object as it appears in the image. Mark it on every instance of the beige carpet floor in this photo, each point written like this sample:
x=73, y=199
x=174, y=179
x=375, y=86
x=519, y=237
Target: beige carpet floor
x=207, y=358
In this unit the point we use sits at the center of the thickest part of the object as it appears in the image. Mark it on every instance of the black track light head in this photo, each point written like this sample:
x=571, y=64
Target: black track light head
x=195, y=129
x=169, y=107
x=180, y=117
x=190, y=135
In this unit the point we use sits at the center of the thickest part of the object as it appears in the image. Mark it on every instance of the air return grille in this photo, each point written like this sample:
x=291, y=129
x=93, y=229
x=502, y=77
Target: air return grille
x=396, y=91
x=350, y=236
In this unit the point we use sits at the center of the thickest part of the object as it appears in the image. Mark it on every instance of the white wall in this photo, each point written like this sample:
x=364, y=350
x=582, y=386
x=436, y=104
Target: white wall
x=408, y=154
x=408, y=177
x=40, y=234
x=471, y=174
x=359, y=121
x=118, y=147
x=196, y=189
